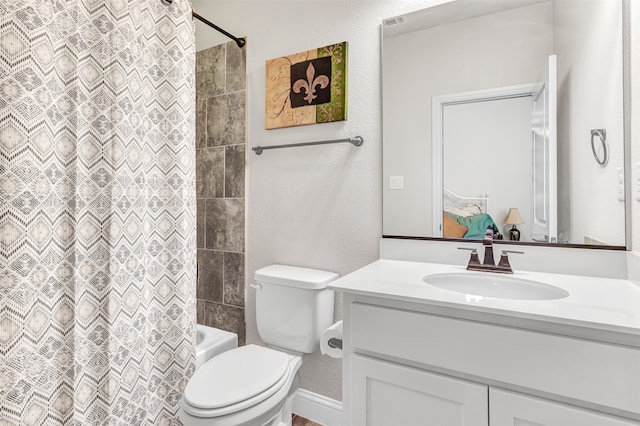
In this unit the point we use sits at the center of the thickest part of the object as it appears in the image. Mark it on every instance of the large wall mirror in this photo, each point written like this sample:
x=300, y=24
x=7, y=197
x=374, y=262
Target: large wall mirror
x=507, y=114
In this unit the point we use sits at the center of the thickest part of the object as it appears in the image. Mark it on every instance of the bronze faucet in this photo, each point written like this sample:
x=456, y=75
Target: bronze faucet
x=487, y=242
x=489, y=264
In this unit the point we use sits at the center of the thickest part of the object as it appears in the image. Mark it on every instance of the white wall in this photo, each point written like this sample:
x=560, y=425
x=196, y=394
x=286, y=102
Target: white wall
x=317, y=207
x=321, y=206
x=588, y=202
x=469, y=55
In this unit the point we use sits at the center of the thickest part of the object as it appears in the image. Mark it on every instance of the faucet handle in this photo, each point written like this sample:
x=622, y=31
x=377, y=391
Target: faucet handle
x=473, y=260
x=504, y=259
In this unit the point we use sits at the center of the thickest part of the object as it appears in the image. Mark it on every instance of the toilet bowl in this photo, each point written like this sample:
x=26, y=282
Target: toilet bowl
x=255, y=385
x=260, y=383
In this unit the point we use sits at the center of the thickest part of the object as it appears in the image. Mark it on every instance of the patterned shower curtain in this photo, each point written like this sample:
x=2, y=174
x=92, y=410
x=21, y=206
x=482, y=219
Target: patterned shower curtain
x=97, y=211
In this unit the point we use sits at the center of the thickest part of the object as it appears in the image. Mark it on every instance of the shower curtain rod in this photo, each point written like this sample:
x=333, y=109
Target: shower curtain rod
x=239, y=41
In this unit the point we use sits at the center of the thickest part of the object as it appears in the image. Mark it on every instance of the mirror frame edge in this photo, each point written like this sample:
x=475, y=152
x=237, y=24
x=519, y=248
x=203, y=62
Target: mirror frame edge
x=508, y=242
x=626, y=120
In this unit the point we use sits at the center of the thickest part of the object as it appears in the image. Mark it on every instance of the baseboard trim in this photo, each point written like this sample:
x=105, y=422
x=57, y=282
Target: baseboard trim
x=317, y=408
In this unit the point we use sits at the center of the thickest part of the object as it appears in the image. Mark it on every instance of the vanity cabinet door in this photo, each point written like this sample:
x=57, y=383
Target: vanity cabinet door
x=512, y=409
x=384, y=394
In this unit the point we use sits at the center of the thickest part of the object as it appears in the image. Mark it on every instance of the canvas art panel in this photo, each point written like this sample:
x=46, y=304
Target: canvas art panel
x=307, y=87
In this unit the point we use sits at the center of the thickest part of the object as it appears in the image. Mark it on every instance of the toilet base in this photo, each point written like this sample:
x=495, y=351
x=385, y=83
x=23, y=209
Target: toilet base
x=284, y=416
x=280, y=415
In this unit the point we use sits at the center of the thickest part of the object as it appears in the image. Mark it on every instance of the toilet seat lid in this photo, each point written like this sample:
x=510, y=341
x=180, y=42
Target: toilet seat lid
x=235, y=375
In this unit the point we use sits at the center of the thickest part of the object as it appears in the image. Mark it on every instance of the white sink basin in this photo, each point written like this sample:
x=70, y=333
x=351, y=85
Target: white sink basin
x=496, y=286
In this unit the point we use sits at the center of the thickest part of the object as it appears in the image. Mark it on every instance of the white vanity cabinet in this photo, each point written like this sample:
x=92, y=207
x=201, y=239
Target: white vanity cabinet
x=408, y=364
x=386, y=393
x=513, y=409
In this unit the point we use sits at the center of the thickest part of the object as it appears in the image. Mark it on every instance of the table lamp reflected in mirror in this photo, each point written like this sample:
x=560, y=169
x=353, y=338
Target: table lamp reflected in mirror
x=513, y=218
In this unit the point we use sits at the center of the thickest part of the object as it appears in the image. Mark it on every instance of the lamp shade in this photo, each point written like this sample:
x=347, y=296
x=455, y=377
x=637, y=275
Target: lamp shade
x=513, y=217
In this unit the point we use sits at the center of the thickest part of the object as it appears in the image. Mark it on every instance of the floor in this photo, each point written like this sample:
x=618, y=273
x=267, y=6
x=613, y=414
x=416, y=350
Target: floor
x=301, y=421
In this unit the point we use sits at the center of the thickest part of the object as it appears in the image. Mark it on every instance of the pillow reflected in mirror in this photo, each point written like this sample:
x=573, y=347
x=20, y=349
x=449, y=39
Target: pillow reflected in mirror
x=452, y=229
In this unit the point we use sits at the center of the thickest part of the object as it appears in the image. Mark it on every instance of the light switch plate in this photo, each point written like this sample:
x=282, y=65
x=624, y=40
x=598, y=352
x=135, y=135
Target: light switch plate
x=396, y=182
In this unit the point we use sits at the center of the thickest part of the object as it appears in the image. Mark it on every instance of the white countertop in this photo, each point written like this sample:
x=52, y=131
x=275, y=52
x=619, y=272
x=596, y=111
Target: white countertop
x=600, y=305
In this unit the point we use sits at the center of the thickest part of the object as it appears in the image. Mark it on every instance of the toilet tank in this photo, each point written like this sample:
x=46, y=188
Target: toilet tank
x=293, y=306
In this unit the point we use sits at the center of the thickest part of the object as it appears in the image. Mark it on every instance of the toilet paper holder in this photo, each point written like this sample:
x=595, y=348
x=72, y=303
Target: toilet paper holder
x=335, y=343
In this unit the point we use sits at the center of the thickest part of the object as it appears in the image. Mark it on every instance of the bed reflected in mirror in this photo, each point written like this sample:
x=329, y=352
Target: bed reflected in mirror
x=467, y=217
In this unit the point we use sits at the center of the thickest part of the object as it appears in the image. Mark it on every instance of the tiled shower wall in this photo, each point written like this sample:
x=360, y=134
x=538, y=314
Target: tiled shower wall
x=220, y=181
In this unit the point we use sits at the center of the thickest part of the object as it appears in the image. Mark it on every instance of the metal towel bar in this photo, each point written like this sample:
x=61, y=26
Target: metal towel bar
x=356, y=141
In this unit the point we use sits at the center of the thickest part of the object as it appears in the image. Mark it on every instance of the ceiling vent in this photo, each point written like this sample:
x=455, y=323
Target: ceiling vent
x=394, y=21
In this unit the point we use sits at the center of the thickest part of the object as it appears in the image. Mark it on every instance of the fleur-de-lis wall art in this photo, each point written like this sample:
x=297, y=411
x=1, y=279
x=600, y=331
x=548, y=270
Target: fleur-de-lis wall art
x=312, y=84
x=307, y=88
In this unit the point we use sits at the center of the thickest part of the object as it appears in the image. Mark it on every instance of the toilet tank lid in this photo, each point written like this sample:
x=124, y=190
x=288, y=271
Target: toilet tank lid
x=294, y=276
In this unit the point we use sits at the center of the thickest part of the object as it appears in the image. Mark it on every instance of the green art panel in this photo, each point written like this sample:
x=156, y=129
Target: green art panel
x=336, y=109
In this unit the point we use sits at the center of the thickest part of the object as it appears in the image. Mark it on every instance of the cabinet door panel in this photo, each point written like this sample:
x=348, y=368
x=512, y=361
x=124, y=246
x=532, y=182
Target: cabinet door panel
x=512, y=409
x=384, y=393
x=603, y=374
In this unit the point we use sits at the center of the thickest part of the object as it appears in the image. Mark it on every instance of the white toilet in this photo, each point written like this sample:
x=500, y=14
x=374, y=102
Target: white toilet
x=254, y=385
